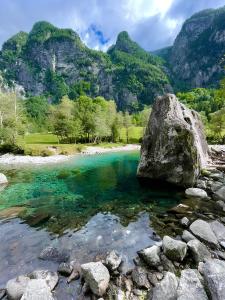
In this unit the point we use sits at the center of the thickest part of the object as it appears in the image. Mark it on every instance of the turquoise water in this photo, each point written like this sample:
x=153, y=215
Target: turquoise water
x=88, y=206
x=65, y=196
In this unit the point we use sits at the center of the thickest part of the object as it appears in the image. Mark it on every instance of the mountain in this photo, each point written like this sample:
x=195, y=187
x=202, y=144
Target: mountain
x=55, y=62
x=197, y=57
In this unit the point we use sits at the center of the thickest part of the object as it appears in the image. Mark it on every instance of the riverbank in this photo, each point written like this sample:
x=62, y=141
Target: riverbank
x=11, y=159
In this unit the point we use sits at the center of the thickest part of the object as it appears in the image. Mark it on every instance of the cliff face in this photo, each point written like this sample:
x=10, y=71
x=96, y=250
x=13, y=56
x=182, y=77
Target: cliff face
x=55, y=61
x=196, y=58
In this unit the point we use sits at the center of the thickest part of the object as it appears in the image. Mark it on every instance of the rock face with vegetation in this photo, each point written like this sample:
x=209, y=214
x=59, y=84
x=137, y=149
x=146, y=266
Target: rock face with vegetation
x=174, y=148
x=196, y=58
x=55, y=62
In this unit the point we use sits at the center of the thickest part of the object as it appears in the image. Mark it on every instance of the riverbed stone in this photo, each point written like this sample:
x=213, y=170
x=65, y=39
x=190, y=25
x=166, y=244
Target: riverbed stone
x=202, y=230
x=174, y=148
x=166, y=289
x=220, y=193
x=15, y=287
x=97, y=276
x=54, y=254
x=185, y=221
x=198, y=250
x=113, y=260
x=190, y=287
x=37, y=289
x=51, y=278
x=219, y=230
x=3, y=179
x=151, y=255
x=174, y=249
x=196, y=193
x=187, y=236
x=2, y=293
x=214, y=275
x=65, y=269
x=140, y=278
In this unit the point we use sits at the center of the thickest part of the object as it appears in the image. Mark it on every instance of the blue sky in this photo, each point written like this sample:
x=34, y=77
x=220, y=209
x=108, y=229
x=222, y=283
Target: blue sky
x=152, y=23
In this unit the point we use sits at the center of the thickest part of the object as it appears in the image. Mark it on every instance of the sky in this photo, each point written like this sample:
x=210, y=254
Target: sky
x=153, y=24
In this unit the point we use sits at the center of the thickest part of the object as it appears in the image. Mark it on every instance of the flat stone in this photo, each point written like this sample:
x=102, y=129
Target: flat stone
x=196, y=193
x=198, y=250
x=51, y=278
x=37, y=289
x=16, y=287
x=214, y=274
x=174, y=249
x=151, y=255
x=166, y=289
x=54, y=254
x=219, y=230
x=190, y=286
x=187, y=236
x=113, y=260
x=97, y=276
x=202, y=230
x=140, y=278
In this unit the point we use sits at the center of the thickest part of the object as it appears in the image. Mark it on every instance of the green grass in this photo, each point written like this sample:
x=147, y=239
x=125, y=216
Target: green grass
x=40, y=138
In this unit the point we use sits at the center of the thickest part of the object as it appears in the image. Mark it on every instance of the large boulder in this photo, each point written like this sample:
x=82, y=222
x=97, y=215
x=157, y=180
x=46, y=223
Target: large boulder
x=113, y=260
x=166, y=289
x=151, y=255
x=196, y=193
x=219, y=230
x=202, y=230
x=174, y=249
x=190, y=286
x=96, y=275
x=198, y=250
x=214, y=274
x=37, y=289
x=174, y=148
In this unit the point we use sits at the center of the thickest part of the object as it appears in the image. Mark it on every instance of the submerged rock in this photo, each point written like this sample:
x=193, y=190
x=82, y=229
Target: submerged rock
x=96, y=275
x=65, y=269
x=214, y=274
x=202, y=230
x=173, y=249
x=196, y=193
x=174, y=148
x=166, y=289
x=151, y=255
x=37, y=289
x=190, y=286
x=16, y=287
x=54, y=254
x=3, y=179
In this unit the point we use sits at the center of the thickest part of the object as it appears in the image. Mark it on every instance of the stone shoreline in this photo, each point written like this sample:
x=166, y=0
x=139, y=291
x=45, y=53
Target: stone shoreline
x=10, y=159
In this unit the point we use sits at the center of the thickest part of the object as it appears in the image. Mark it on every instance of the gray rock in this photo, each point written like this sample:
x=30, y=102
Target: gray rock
x=185, y=221
x=151, y=255
x=201, y=184
x=220, y=204
x=219, y=230
x=37, y=289
x=3, y=179
x=54, y=254
x=2, y=293
x=214, y=274
x=166, y=289
x=97, y=276
x=140, y=278
x=174, y=249
x=16, y=287
x=65, y=269
x=167, y=264
x=187, y=236
x=51, y=278
x=174, y=148
x=113, y=260
x=198, y=250
x=220, y=193
x=190, y=286
x=203, y=231
x=196, y=193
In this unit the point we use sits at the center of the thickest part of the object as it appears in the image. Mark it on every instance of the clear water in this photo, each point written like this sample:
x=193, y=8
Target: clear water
x=89, y=205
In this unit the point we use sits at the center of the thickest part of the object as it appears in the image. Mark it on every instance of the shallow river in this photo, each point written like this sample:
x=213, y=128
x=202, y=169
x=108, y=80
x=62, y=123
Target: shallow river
x=88, y=205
